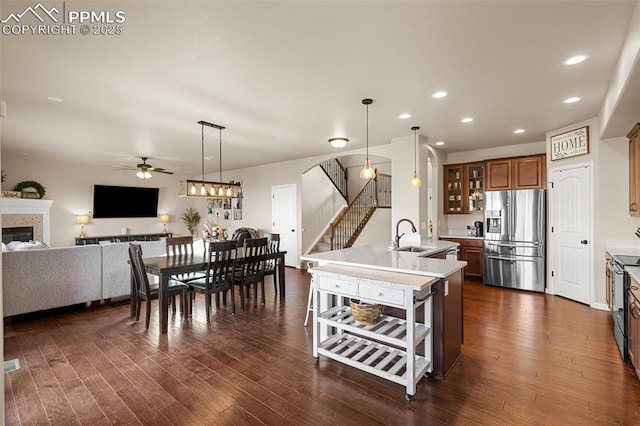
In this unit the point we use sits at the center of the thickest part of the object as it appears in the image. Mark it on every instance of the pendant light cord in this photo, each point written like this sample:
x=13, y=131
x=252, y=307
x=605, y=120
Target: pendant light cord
x=415, y=148
x=202, y=156
x=220, y=156
x=367, y=132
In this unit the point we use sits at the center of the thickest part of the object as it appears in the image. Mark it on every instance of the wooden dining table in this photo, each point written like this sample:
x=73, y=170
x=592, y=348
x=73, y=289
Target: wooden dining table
x=169, y=265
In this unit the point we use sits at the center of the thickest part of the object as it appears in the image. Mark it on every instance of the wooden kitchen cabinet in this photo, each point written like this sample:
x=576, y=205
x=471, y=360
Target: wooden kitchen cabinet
x=471, y=252
x=454, y=189
x=464, y=188
x=528, y=172
x=499, y=174
x=634, y=173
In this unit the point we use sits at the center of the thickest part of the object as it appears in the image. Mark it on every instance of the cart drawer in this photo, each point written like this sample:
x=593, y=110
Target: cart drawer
x=334, y=285
x=384, y=295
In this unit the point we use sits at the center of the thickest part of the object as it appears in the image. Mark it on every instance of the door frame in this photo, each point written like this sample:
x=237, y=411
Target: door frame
x=592, y=234
x=294, y=186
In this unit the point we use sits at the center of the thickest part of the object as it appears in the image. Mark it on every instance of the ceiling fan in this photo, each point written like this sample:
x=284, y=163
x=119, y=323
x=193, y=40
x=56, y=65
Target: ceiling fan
x=144, y=169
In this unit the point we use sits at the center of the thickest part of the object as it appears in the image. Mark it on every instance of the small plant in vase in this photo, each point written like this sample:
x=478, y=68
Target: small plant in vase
x=191, y=218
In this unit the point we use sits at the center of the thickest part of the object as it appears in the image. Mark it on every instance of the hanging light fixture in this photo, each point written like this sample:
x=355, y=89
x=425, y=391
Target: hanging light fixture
x=367, y=172
x=415, y=180
x=209, y=189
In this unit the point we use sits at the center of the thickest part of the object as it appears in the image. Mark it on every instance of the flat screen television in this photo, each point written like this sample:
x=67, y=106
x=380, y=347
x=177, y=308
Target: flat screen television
x=124, y=201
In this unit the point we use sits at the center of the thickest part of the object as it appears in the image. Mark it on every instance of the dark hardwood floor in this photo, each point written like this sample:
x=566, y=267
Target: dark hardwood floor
x=527, y=359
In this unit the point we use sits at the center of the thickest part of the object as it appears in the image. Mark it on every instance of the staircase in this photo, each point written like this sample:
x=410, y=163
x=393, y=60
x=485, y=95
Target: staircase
x=338, y=175
x=348, y=224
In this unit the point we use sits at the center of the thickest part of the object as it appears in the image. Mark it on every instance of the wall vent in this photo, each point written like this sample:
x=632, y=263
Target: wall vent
x=11, y=365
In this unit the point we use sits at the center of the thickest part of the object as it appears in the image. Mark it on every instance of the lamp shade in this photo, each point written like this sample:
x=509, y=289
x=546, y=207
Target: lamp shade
x=82, y=219
x=164, y=218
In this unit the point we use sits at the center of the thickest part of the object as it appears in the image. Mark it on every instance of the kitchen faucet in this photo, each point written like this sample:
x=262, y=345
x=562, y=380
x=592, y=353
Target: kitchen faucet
x=398, y=236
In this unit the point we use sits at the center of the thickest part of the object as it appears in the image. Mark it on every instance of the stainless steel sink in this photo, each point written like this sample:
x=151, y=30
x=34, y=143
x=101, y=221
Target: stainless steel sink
x=413, y=249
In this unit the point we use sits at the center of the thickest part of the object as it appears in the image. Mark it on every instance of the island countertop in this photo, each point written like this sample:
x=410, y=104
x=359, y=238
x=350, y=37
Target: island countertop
x=379, y=256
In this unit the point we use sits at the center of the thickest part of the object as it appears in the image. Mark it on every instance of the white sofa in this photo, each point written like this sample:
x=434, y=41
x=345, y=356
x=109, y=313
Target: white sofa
x=34, y=280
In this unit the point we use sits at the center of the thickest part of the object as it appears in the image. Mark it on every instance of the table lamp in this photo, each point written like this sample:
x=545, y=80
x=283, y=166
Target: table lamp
x=164, y=218
x=82, y=220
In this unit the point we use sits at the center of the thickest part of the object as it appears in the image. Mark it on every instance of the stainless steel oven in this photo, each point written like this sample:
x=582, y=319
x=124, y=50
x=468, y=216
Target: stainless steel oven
x=619, y=306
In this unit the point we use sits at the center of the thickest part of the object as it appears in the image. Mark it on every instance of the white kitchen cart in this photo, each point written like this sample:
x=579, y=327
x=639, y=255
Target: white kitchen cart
x=387, y=348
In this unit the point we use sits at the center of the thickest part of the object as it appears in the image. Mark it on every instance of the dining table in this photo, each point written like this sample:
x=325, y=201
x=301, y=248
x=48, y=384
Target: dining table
x=169, y=265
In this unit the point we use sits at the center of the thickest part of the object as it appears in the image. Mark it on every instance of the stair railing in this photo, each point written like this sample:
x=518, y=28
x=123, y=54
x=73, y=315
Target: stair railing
x=348, y=226
x=338, y=175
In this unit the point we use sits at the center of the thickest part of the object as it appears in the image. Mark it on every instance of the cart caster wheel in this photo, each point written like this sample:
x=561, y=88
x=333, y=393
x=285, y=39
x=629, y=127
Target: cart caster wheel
x=408, y=397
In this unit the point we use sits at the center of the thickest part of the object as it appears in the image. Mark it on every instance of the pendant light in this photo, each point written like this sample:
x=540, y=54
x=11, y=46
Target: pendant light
x=415, y=180
x=367, y=171
x=209, y=189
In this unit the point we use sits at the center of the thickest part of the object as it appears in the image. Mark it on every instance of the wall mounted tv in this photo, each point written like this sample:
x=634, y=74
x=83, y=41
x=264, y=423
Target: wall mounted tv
x=124, y=201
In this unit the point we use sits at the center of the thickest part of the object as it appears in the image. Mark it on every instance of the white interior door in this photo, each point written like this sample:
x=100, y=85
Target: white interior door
x=571, y=233
x=284, y=221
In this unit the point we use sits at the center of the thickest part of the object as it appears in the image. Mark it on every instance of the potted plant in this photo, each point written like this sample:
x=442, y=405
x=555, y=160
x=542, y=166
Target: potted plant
x=191, y=218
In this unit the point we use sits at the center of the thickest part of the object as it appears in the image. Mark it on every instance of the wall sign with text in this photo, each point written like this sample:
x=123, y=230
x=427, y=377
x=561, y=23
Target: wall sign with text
x=569, y=144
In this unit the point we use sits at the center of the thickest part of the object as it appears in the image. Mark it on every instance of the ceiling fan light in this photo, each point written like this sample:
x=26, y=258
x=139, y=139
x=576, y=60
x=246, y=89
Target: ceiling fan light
x=143, y=174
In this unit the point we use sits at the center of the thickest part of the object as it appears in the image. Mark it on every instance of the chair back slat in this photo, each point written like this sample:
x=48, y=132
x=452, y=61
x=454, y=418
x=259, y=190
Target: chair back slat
x=273, y=246
x=253, y=259
x=221, y=264
x=179, y=246
x=140, y=278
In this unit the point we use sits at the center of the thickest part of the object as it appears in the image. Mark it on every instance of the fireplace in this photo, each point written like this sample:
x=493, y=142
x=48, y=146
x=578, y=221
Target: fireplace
x=17, y=233
x=24, y=213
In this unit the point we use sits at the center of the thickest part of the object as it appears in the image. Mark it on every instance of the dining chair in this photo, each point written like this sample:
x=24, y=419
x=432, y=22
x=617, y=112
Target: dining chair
x=271, y=265
x=182, y=246
x=147, y=291
x=219, y=275
x=250, y=268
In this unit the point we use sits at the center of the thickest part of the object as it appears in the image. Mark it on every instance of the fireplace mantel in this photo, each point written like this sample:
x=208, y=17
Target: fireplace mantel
x=26, y=206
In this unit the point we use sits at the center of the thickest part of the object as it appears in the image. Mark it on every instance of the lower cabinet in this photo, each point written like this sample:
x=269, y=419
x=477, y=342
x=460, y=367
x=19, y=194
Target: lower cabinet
x=471, y=252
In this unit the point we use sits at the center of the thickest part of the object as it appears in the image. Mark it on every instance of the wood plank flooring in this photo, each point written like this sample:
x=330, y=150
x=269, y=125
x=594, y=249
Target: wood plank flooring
x=528, y=358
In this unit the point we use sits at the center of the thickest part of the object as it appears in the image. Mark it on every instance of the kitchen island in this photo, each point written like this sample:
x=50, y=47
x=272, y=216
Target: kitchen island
x=405, y=280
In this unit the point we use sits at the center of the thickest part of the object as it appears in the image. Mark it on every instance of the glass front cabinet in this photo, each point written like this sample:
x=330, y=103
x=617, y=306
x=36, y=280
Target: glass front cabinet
x=454, y=189
x=464, y=188
x=475, y=184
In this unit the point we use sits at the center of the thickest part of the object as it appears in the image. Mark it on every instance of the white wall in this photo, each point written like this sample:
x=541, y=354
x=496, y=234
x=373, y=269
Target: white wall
x=320, y=202
x=378, y=229
x=71, y=187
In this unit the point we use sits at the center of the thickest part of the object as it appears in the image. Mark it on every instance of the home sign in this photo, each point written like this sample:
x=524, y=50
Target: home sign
x=569, y=144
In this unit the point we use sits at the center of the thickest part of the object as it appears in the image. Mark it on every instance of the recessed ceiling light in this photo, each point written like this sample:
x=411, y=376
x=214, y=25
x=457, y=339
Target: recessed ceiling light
x=440, y=94
x=466, y=120
x=518, y=131
x=404, y=116
x=571, y=100
x=440, y=143
x=54, y=99
x=575, y=60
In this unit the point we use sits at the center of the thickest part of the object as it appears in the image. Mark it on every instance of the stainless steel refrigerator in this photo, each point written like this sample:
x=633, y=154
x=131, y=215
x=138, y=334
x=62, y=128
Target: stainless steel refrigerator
x=514, y=239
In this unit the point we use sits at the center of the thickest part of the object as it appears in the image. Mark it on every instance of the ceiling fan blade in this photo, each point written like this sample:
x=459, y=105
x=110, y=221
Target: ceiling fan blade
x=126, y=168
x=163, y=171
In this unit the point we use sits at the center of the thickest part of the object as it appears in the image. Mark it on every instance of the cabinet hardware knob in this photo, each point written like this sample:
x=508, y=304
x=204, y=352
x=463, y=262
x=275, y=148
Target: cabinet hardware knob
x=584, y=242
x=380, y=293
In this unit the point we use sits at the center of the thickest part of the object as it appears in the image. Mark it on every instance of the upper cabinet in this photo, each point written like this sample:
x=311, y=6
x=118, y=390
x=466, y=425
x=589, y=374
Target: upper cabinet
x=454, y=188
x=463, y=188
x=634, y=174
x=517, y=173
x=465, y=184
